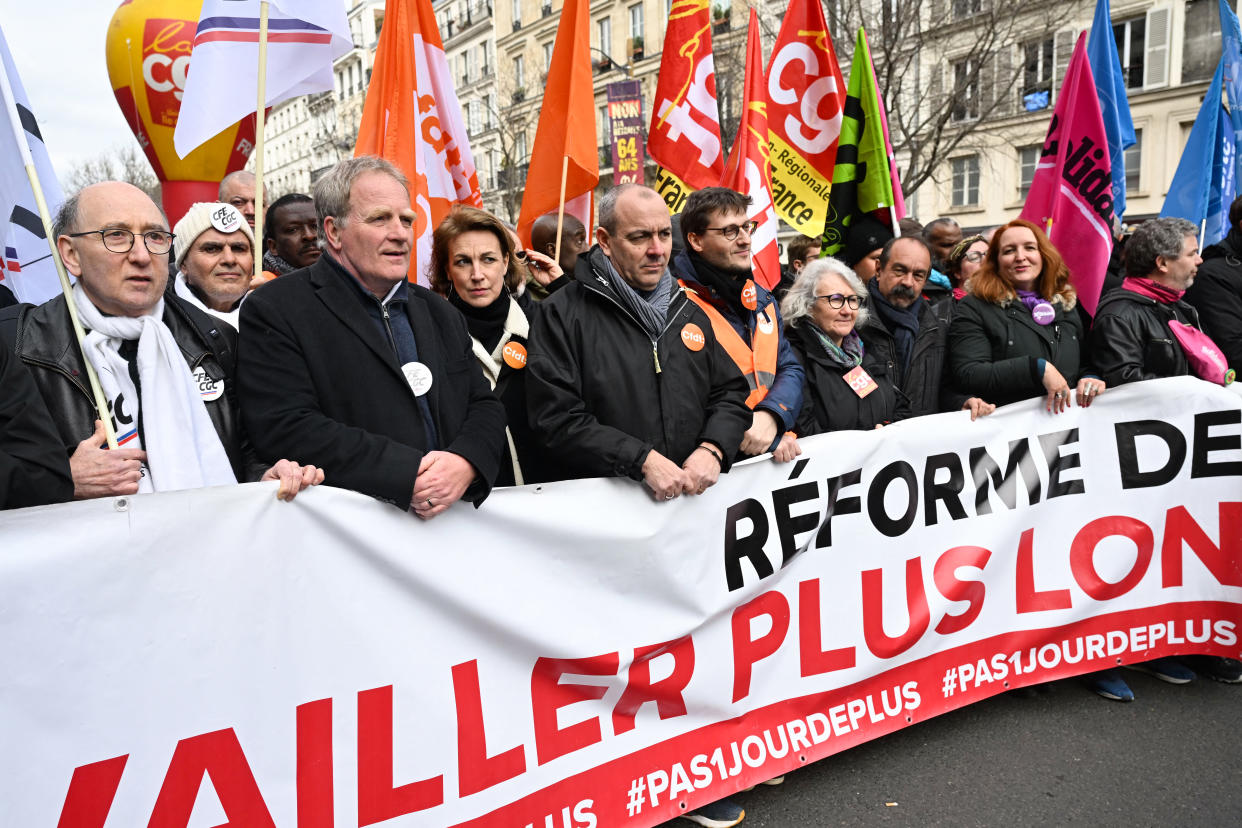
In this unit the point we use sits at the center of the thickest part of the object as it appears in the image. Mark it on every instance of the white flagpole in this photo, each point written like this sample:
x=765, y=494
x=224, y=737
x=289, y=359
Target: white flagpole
x=10, y=106
x=258, y=144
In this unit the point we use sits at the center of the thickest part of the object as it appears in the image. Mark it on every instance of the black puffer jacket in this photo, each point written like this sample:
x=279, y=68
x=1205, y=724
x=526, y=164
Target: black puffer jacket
x=1132, y=341
x=42, y=337
x=33, y=468
x=601, y=394
x=828, y=402
x=1217, y=295
x=994, y=350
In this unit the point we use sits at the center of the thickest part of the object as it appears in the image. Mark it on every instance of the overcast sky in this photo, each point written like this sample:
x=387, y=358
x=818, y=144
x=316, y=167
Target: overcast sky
x=58, y=46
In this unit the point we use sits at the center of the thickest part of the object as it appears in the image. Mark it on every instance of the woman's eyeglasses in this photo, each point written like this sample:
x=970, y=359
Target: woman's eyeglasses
x=836, y=300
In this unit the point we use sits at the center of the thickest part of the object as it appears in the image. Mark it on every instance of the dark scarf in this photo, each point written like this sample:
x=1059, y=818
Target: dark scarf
x=727, y=286
x=276, y=264
x=486, y=324
x=903, y=323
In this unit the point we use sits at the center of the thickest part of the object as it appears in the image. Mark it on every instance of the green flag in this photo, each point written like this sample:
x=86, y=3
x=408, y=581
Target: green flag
x=861, y=179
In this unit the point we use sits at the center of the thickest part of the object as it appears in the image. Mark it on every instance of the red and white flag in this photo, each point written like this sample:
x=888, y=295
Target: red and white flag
x=222, y=85
x=412, y=118
x=1072, y=192
x=748, y=170
x=684, y=138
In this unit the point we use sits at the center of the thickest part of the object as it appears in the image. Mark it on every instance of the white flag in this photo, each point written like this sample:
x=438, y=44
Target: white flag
x=26, y=264
x=303, y=38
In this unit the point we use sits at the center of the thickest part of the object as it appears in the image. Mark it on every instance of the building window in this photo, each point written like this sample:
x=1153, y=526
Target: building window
x=547, y=56
x=484, y=61
x=966, y=181
x=1201, y=44
x=519, y=72
x=1037, y=75
x=517, y=13
x=604, y=31
x=1131, y=43
x=1134, y=161
x=1028, y=157
x=966, y=8
x=636, y=24
x=965, y=90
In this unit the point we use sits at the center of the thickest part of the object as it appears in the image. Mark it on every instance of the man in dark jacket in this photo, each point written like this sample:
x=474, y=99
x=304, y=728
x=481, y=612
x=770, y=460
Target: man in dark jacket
x=625, y=377
x=163, y=365
x=33, y=467
x=1217, y=290
x=909, y=334
x=347, y=364
x=1132, y=336
x=716, y=268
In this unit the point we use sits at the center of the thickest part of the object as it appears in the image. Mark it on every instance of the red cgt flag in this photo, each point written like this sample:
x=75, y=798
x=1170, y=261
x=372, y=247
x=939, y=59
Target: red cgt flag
x=748, y=170
x=684, y=138
x=412, y=118
x=565, y=139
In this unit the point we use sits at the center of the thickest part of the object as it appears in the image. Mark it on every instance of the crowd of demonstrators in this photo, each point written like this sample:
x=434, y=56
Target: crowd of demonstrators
x=624, y=359
x=237, y=189
x=799, y=252
x=165, y=367
x=475, y=266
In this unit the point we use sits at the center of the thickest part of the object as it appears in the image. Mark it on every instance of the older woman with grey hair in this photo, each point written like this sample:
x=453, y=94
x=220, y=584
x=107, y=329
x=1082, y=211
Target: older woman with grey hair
x=843, y=388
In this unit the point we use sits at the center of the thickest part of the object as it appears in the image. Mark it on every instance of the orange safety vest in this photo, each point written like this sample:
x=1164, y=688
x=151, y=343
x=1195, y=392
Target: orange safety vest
x=756, y=361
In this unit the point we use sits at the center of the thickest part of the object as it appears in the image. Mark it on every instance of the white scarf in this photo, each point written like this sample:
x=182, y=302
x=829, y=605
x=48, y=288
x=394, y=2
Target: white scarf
x=183, y=449
x=182, y=289
x=516, y=324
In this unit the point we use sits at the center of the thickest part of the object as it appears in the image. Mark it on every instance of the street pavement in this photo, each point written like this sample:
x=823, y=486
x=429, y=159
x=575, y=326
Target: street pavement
x=1061, y=756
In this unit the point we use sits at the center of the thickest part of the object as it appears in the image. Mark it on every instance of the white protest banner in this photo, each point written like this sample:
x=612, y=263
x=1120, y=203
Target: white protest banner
x=576, y=655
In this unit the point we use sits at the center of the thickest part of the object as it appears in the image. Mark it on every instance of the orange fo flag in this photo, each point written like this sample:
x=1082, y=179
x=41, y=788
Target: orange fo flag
x=684, y=138
x=565, y=139
x=412, y=118
x=807, y=97
x=748, y=169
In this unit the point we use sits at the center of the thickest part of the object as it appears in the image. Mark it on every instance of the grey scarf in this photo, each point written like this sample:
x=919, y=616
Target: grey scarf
x=649, y=310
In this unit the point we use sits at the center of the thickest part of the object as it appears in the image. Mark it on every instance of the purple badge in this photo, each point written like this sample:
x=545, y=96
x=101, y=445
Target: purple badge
x=1043, y=313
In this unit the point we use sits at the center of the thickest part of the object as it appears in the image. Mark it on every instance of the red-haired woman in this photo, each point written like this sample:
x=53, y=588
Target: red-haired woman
x=1018, y=335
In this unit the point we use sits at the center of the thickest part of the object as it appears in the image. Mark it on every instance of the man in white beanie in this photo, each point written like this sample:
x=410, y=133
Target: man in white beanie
x=214, y=249
x=165, y=366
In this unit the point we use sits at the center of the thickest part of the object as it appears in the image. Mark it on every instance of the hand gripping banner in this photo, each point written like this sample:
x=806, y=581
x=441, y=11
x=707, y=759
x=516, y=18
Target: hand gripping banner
x=577, y=655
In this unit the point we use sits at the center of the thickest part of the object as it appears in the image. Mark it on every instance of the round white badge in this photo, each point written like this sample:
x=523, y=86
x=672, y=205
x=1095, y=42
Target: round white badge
x=226, y=218
x=209, y=389
x=418, y=376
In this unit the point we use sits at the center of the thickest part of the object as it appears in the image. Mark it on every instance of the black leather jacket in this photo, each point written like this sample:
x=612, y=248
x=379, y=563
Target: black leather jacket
x=42, y=337
x=1132, y=339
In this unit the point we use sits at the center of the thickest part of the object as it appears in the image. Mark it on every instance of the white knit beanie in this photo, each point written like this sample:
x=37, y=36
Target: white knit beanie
x=202, y=217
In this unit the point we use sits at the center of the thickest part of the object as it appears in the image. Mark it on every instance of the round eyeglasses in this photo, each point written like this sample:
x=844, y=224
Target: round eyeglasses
x=837, y=300
x=730, y=232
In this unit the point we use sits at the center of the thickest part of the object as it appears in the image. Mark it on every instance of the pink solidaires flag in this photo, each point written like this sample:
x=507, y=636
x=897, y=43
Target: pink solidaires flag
x=1072, y=192
x=748, y=169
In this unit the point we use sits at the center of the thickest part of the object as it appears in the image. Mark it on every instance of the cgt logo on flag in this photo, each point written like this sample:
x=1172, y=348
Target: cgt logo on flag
x=166, y=49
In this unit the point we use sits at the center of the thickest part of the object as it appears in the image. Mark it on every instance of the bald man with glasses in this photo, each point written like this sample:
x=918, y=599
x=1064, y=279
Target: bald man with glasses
x=165, y=367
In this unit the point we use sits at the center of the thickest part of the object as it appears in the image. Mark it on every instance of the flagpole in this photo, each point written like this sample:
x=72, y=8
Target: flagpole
x=101, y=403
x=258, y=145
x=560, y=207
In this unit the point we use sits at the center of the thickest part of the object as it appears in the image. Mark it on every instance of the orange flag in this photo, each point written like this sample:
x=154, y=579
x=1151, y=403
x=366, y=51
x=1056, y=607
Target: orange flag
x=566, y=129
x=748, y=170
x=684, y=138
x=412, y=118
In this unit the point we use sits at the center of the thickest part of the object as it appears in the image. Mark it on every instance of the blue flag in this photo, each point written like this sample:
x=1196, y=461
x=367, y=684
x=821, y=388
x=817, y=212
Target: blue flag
x=1231, y=56
x=1110, y=87
x=1197, y=183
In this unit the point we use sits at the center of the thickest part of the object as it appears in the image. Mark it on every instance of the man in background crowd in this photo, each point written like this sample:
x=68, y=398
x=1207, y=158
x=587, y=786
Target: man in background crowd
x=290, y=236
x=1217, y=290
x=237, y=188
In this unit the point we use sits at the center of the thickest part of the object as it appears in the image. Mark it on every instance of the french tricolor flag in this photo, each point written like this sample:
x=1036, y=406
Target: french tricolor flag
x=10, y=263
x=304, y=37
